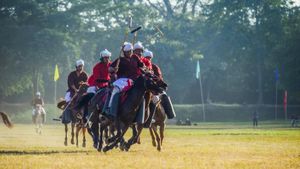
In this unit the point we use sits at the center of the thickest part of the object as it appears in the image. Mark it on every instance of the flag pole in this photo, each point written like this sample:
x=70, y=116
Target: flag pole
x=203, y=109
x=201, y=91
x=56, y=77
x=54, y=92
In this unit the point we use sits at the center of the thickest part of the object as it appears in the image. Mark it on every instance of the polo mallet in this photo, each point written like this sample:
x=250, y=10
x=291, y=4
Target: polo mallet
x=135, y=31
x=132, y=31
x=126, y=33
x=158, y=32
x=55, y=119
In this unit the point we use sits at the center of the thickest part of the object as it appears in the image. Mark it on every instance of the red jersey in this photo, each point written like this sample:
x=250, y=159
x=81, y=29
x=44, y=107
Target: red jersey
x=146, y=62
x=100, y=72
x=128, y=67
x=157, y=71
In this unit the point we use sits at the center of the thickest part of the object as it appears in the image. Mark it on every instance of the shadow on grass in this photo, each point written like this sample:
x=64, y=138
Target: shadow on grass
x=16, y=152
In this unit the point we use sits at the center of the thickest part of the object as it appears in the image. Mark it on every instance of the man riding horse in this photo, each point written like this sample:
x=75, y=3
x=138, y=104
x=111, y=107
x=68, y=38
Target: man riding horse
x=98, y=80
x=127, y=69
x=38, y=100
x=75, y=78
x=166, y=102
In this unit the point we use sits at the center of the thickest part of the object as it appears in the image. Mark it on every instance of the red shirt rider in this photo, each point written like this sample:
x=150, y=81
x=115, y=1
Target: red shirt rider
x=148, y=56
x=100, y=75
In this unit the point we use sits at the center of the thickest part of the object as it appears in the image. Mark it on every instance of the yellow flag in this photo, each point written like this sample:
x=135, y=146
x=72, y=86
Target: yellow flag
x=56, y=73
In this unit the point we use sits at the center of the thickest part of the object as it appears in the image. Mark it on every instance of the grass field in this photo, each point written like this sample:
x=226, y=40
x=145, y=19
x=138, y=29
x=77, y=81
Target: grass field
x=208, y=145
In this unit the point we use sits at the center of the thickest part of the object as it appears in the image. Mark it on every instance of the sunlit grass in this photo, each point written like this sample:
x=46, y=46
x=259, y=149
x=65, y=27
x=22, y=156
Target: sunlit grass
x=208, y=145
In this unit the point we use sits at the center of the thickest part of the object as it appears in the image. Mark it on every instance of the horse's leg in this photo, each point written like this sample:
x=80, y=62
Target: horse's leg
x=106, y=136
x=102, y=128
x=95, y=131
x=135, y=137
x=77, y=133
x=157, y=138
x=66, y=134
x=72, y=132
x=161, y=131
x=84, y=140
x=120, y=135
x=152, y=135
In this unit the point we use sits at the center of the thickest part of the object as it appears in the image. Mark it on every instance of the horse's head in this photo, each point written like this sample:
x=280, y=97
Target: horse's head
x=151, y=83
x=82, y=88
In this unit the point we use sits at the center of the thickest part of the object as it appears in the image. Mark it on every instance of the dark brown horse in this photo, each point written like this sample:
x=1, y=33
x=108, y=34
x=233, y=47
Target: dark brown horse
x=6, y=120
x=75, y=122
x=127, y=111
x=149, y=113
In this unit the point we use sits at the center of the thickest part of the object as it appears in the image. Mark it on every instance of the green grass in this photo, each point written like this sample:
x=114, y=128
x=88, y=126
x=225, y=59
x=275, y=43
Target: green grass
x=207, y=145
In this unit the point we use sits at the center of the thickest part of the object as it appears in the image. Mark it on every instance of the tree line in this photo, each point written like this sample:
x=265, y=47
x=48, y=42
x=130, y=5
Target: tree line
x=242, y=43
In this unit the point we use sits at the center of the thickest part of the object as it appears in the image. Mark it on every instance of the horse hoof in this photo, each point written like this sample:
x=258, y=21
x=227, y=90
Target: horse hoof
x=66, y=143
x=105, y=149
x=83, y=145
x=72, y=142
x=95, y=146
x=154, y=144
x=122, y=148
x=159, y=149
x=99, y=149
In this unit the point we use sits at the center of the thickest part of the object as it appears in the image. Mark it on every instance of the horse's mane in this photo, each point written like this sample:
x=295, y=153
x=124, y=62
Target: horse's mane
x=6, y=120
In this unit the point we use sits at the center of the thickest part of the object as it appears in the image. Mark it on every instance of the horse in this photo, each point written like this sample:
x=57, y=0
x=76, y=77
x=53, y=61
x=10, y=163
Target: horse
x=127, y=110
x=6, y=120
x=73, y=119
x=159, y=120
x=38, y=118
x=150, y=108
x=96, y=108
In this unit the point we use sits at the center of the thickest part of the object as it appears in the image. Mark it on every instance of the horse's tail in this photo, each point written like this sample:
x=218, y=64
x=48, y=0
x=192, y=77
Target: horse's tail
x=6, y=120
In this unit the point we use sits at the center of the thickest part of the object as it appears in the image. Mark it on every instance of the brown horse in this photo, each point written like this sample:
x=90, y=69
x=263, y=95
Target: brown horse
x=75, y=122
x=6, y=120
x=159, y=120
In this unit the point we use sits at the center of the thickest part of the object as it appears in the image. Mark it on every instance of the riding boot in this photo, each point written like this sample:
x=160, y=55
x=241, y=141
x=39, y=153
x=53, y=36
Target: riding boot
x=140, y=115
x=112, y=110
x=106, y=104
x=112, y=113
x=168, y=106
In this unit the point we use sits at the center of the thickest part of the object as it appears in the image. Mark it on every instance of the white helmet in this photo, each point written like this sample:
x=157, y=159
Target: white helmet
x=138, y=45
x=105, y=53
x=79, y=62
x=148, y=53
x=127, y=47
x=38, y=94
